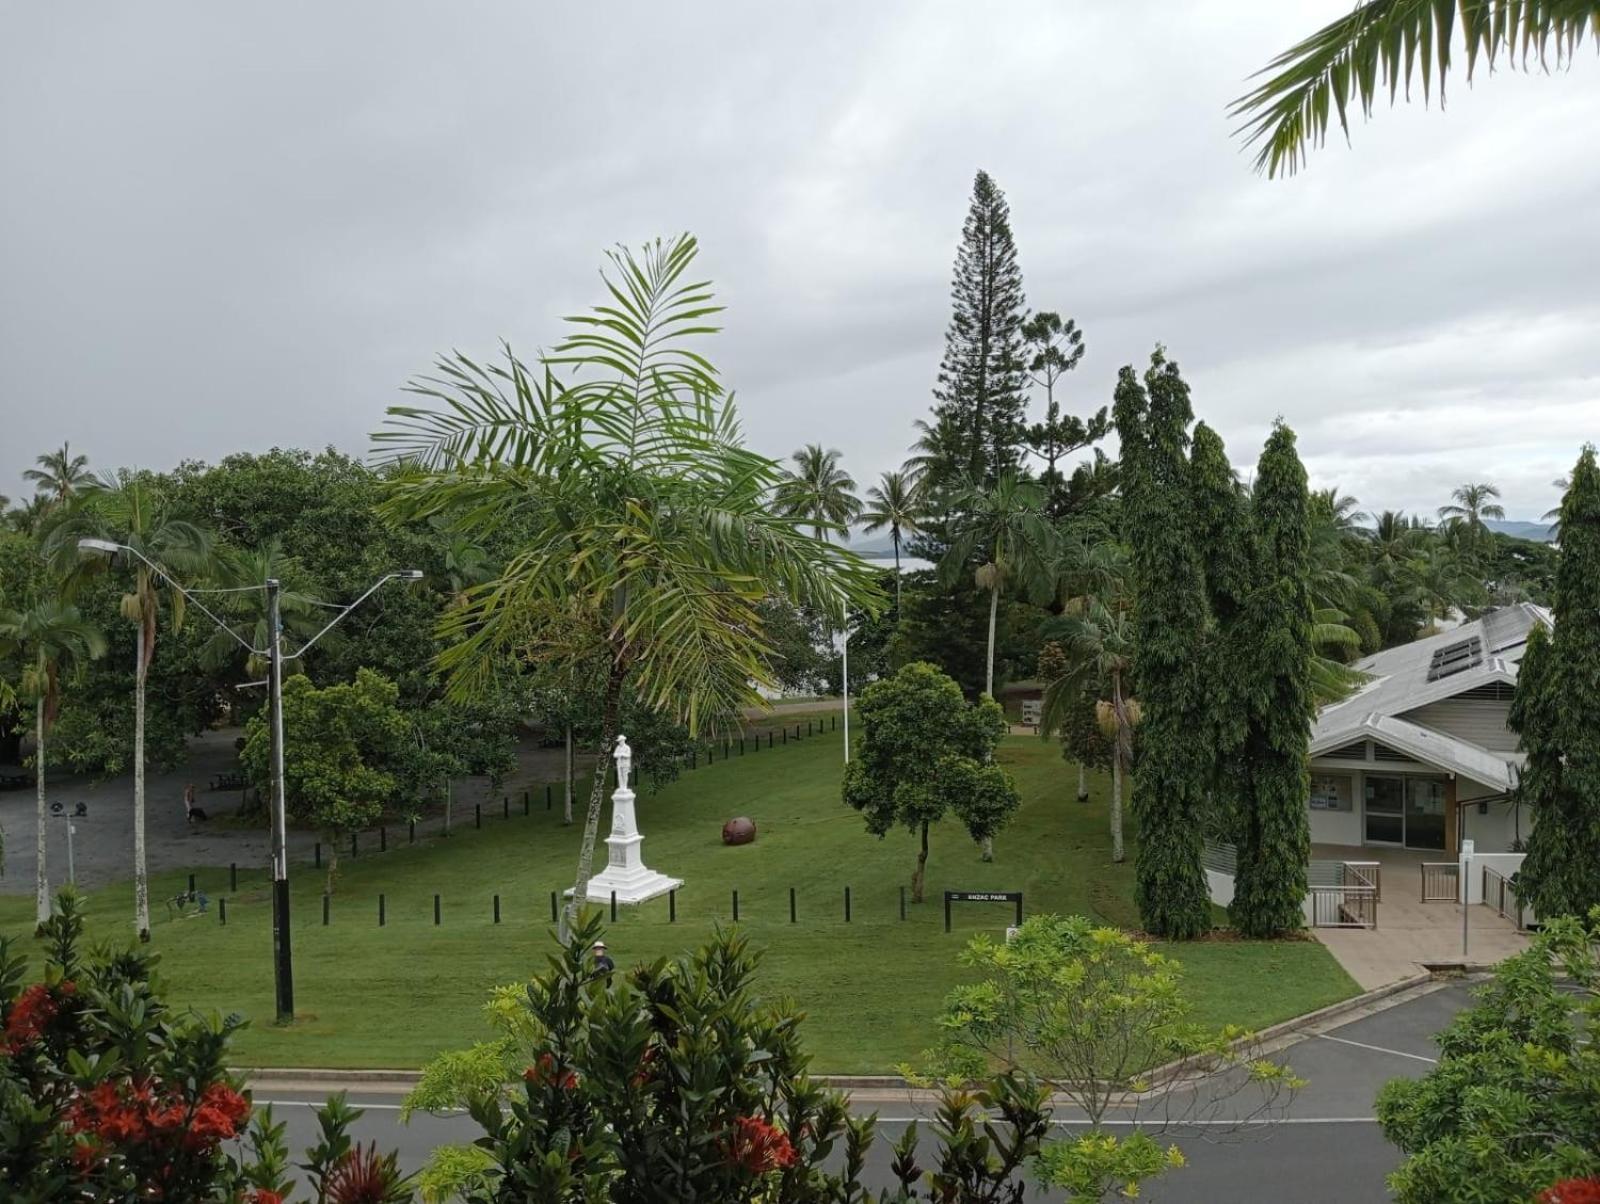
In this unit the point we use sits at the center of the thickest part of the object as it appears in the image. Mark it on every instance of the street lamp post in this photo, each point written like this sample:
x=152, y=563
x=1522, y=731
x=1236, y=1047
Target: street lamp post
x=282, y=959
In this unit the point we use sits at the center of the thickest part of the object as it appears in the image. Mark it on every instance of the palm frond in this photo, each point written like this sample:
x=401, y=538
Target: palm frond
x=1387, y=44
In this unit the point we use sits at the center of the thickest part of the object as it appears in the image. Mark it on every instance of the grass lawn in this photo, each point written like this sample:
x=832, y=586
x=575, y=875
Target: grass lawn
x=393, y=996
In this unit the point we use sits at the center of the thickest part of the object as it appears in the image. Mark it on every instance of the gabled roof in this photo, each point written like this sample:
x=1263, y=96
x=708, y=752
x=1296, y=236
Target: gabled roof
x=1486, y=650
x=1425, y=745
x=1399, y=677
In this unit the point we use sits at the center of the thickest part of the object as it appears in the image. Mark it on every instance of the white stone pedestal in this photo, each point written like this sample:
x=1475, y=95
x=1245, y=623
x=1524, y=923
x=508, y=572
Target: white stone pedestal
x=626, y=873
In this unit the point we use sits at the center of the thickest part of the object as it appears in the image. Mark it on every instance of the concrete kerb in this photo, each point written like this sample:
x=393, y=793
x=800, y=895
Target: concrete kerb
x=1276, y=1036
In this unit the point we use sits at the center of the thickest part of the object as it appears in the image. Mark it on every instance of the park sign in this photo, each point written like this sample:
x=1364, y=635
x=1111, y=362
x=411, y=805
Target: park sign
x=1013, y=897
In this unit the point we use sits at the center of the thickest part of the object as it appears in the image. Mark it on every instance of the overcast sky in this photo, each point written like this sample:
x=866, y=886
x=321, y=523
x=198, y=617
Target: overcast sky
x=222, y=232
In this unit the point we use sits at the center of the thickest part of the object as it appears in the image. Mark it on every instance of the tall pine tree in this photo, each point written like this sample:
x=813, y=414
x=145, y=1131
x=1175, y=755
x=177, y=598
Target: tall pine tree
x=1172, y=780
x=1273, y=833
x=1556, y=712
x=982, y=378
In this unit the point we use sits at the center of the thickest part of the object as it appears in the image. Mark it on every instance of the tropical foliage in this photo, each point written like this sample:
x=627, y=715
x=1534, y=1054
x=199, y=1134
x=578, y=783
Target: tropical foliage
x=1384, y=44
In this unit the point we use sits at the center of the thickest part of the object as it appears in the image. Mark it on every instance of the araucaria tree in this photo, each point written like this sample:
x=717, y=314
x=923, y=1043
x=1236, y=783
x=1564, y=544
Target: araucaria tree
x=1175, y=761
x=981, y=394
x=646, y=541
x=1556, y=712
x=1272, y=830
x=924, y=752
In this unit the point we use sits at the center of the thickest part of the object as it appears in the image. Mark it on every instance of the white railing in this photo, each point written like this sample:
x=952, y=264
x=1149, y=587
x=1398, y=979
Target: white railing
x=1344, y=907
x=1441, y=881
x=1365, y=873
x=1500, y=893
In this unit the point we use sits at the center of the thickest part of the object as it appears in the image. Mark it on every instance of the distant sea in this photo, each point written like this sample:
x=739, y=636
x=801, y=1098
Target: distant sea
x=908, y=564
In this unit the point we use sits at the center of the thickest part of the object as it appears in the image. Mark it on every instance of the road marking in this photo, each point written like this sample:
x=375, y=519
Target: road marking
x=1399, y=1053
x=1257, y=1122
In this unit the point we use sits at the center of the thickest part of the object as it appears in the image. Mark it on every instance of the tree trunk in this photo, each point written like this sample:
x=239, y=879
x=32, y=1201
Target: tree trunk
x=566, y=816
x=1119, y=743
x=1116, y=808
x=922, y=867
x=333, y=863
x=40, y=878
x=987, y=845
x=1083, y=783
x=141, y=879
x=597, y=797
x=994, y=605
x=896, y=534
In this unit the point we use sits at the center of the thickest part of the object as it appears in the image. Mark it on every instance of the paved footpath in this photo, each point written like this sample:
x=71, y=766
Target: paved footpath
x=1329, y=1149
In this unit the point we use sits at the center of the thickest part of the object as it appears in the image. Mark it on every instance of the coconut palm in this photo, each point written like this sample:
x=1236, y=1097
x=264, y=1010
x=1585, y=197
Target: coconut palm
x=129, y=509
x=1004, y=528
x=1470, y=504
x=1553, y=515
x=645, y=537
x=1384, y=43
x=820, y=492
x=246, y=610
x=896, y=503
x=1097, y=637
x=60, y=475
x=55, y=640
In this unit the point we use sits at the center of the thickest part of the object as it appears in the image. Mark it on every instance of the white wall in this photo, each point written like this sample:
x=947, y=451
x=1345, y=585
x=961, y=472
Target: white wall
x=1338, y=827
x=1221, y=887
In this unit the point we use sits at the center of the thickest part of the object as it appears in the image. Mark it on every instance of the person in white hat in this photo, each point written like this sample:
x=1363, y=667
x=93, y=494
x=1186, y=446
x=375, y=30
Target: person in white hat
x=603, y=965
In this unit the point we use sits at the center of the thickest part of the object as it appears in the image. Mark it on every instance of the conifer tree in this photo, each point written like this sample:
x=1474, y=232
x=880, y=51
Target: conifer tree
x=1556, y=712
x=1273, y=833
x=1174, y=766
x=982, y=378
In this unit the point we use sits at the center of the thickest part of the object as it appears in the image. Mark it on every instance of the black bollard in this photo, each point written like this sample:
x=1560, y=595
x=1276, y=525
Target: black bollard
x=791, y=905
x=324, y=911
x=672, y=907
x=435, y=911
x=411, y=831
x=847, y=905
x=769, y=739
x=477, y=815
x=497, y=909
x=383, y=838
x=552, y=907
x=380, y=911
x=735, y=907
x=902, y=902
x=191, y=884
x=233, y=878
x=505, y=806
x=526, y=806
x=316, y=854
x=352, y=846
x=613, y=907
x=222, y=911
x=548, y=796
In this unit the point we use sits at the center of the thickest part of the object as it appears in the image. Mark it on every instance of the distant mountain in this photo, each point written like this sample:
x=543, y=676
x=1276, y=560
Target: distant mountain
x=1538, y=532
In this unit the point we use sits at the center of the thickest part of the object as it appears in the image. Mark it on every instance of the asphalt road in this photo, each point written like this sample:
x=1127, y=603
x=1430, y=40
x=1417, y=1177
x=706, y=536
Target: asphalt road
x=1327, y=1150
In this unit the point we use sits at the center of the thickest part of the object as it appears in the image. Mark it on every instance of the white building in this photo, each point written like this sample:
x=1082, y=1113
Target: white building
x=1420, y=756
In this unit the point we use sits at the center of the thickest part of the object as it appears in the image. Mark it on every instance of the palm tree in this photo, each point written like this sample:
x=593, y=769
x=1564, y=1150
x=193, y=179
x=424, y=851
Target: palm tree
x=129, y=509
x=937, y=456
x=1553, y=515
x=645, y=537
x=60, y=475
x=57, y=640
x=820, y=492
x=247, y=572
x=1097, y=637
x=1005, y=528
x=1470, y=505
x=1384, y=43
x=896, y=503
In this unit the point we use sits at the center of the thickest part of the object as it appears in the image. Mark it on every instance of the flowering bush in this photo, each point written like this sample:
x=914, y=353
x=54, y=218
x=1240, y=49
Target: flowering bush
x=106, y=1096
x=1572, y=1191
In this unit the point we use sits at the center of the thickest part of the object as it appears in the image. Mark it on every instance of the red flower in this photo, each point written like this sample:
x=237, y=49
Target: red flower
x=758, y=1147
x=1572, y=1191
x=32, y=1013
x=544, y=1071
x=262, y=1196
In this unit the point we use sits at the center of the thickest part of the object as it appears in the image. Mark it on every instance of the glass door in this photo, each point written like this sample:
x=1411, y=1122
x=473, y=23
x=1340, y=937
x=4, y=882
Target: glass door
x=1425, y=817
x=1385, y=810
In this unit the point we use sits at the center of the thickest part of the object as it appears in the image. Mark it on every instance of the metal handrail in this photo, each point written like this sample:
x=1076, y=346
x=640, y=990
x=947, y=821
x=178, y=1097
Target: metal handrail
x=1436, y=877
x=1367, y=873
x=1344, y=907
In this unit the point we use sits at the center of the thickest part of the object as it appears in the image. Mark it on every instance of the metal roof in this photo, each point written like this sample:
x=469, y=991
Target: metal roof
x=1487, y=649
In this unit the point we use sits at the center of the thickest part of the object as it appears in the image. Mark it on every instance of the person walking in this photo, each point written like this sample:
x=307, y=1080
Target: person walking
x=603, y=965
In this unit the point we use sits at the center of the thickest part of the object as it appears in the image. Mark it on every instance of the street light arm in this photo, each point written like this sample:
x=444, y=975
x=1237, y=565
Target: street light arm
x=105, y=545
x=407, y=575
